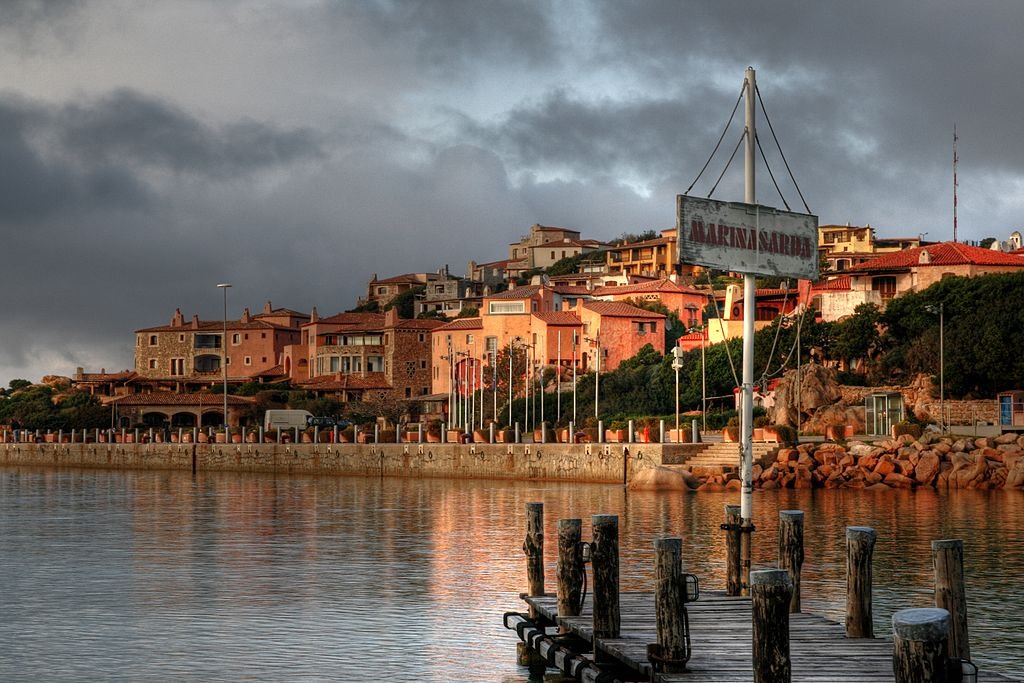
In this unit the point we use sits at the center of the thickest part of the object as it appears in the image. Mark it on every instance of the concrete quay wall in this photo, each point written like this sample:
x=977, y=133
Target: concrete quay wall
x=602, y=463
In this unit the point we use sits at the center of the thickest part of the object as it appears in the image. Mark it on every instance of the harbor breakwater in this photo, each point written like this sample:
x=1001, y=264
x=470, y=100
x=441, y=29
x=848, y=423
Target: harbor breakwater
x=598, y=463
x=931, y=461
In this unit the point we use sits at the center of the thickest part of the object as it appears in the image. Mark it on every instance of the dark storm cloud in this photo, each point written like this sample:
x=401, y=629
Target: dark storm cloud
x=38, y=185
x=131, y=128
x=457, y=36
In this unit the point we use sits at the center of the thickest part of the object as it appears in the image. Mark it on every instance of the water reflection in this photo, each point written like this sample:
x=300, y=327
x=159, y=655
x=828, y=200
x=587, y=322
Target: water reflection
x=156, y=575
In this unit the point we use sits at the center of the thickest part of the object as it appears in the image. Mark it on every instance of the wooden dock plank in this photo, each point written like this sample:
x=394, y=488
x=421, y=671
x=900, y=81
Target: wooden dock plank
x=721, y=634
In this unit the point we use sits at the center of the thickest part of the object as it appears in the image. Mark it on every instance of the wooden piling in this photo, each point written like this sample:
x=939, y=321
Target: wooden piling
x=791, y=550
x=948, y=560
x=570, y=568
x=733, y=579
x=770, y=593
x=860, y=544
x=669, y=596
x=919, y=645
x=604, y=559
x=533, y=546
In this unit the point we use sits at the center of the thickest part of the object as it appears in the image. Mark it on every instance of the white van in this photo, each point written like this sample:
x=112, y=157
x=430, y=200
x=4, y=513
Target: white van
x=285, y=419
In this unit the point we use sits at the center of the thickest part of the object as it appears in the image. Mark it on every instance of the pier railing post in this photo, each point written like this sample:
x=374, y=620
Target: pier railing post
x=948, y=560
x=604, y=559
x=791, y=550
x=770, y=593
x=919, y=645
x=733, y=581
x=570, y=568
x=860, y=545
x=669, y=596
x=533, y=546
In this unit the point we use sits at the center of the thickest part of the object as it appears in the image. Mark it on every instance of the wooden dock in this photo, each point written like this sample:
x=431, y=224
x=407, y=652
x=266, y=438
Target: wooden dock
x=721, y=635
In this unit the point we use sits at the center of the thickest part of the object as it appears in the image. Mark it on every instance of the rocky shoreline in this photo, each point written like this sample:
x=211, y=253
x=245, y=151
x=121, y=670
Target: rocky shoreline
x=931, y=461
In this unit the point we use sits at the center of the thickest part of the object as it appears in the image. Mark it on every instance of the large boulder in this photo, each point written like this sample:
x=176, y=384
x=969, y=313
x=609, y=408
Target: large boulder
x=818, y=387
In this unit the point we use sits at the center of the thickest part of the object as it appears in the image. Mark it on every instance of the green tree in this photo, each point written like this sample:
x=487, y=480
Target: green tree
x=857, y=337
x=406, y=302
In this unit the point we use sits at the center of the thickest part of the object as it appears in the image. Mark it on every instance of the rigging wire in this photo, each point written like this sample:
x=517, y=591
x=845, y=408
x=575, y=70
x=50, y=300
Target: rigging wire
x=757, y=138
x=721, y=328
x=781, y=153
x=721, y=137
x=731, y=157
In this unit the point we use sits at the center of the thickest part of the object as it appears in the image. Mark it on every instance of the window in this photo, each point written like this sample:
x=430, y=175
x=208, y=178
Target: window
x=248, y=360
x=152, y=363
x=469, y=339
x=381, y=291
x=885, y=285
x=492, y=344
x=421, y=337
x=236, y=339
x=207, y=341
x=153, y=340
x=423, y=364
x=506, y=307
x=177, y=366
x=335, y=364
x=408, y=392
x=181, y=337
x=207, y=363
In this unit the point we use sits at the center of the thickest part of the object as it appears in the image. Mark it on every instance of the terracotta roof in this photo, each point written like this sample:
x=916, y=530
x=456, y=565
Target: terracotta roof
x=618, y=309
x=281, y=311
x=417, y=323
x=372, y=380
x=407, y=278
x=941, y=254
x=354, y=319
x=694, y=336
x=558, y=318
x=462, y=324
x=524, y=292
x=660, y=285
x=494, y=264
x=657, y=241
x=217, y=326
x=168, y=398
x=575, y=290
x=123, y=376
x=836, y=284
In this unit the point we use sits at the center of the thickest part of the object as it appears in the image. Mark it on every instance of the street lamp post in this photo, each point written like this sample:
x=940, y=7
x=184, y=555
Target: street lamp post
x=224, y=352
x=677, y=364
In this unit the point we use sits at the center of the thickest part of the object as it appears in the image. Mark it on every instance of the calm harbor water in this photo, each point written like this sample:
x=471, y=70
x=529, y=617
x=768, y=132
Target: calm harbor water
x=114, y=575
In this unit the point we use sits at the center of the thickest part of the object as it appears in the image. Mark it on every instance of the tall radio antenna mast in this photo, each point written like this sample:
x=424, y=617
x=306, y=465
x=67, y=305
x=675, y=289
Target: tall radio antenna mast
x=956, y=159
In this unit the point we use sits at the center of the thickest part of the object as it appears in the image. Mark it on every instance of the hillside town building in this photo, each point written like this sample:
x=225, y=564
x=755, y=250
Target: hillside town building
x=187, y=355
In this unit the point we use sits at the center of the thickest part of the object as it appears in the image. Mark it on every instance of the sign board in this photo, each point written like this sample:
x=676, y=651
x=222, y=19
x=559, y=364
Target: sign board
x=746, y=238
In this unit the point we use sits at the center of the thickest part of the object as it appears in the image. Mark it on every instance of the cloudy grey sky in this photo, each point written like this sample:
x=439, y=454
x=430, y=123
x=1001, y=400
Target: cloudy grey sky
x=151, y=149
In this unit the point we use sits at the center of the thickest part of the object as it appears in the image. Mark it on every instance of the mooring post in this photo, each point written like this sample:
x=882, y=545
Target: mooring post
x=669, y=598
x=533, y=546
x=860, y=545
x=604, y=559
x=770, y=593
x=733, y=583
x=570, y=568
x=919, y=645
x=948, y=560
x=791, y=550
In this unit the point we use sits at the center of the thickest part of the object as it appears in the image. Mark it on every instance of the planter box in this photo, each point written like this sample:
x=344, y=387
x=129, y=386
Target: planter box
x=679, y=436
x=615, y=435
x=731, y=435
